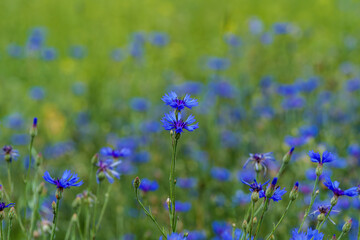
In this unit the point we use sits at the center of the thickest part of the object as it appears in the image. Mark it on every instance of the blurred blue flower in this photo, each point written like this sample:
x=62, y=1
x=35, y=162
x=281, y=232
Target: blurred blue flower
x=255, y=26
x=311, y=234
x=354, y=150
x=310, y=174
x=216, y=63
x=115, y=153
x=308, y=131
x=222, y=88
x=37, y=93
x=220, y=174
x=247, y=175
x=58, y=149
x=36, y=39
x=232, y=40
x=295, y=141
x=353, y=85
x=186, y=183
x=158, y=39
x=287, y=89
x=347, y=68
x=139, y=104
x=150, y=126
x=308, y=86
x=189, y=87
x=174, y=236
x=126, y=168
x=294, y=102
x=14, y=121
x=106, y=167
x=78, y=88
x=141, y=157
x=196, y=235
x=179, y=206
x=230, y=139
x=20, y=139
x=117, y=54
x=48, y=54
x=267, y=38
x=77, y=51
x=15, y=51
x=281, y=28
x=67, y=180
x=136, y=49
x=147, y=185
x=240, y=198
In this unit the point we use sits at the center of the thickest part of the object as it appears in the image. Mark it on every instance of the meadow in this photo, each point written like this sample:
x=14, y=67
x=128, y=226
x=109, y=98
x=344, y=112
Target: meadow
x=104, y=89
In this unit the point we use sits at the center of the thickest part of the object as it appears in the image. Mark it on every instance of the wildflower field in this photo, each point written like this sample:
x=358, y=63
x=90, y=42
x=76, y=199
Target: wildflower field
x=179, y=120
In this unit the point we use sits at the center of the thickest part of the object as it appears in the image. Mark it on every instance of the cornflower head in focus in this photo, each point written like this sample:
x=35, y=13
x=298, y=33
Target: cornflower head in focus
x=173, y=121
x=259, y=160
x=326, y=158
x=310, y=234
x=334, y=187
x=177, y=103
x=67, y=180
x=274, y=192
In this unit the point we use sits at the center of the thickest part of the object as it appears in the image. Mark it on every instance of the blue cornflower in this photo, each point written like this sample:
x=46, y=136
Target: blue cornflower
x=175, y=236
x=308, y=131
x=49, y=54
x=334, y=187
x=171, y=122
x=354, y=150
x=281, y=28
x=326, y=157
x=77, y=52
x=295, y=141
x=255, y=25
x=3, y=206
x=353, y=85
x=117, y=54
x=311, y=234
x=15, y=51
x=37, y=93
x=159, y=39
x=216, y=63
x=67, y=180
x=147, y=185
x=240, y=198
x=179, y=104
x=106, y=167
x=220, y=174
x=179, y=206
x=276, y=195
x=232, y=40
x=186, y=183
x=139, y=104
x=255, y=187
x=260, y=159
x=293, y=102
x=10, y=153
x=115, y=153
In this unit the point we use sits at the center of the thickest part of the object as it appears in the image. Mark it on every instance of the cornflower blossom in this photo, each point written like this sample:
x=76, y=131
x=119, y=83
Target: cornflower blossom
x=175, y=236
x=177, y=103
x=324, y=209
x=276, y=196
x=334, y=187
x=310, y=234
x=106, y=167
x=147, y=185
x=67, y=180
x=173, y=122
x=326, y=157
x=10, y=153
x=255, y=187
x=115, y=153
x=3, y=206
x=260, y=159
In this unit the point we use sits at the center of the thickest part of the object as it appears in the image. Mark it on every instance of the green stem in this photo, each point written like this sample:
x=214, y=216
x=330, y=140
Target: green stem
x=103, y=208
x=252, y=218
x=327, y=216
x=149, y=214
x=56, y=214
x=28, y=175
x=341, y=235
x=69, y=229
x=79, y=229
x=172, y=187
x=9, y=178
x=87, y=223
x=282, y=218
x=313, y=196
x=93, y=234
x=34, y=212
x=262, y=217
x=9, y=229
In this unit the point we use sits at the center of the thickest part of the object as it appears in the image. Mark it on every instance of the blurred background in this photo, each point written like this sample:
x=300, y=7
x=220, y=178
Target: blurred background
x=268, y=76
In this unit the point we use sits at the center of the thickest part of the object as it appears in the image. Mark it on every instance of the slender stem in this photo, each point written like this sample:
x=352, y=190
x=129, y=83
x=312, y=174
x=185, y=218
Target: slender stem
x=28, y=175
x=259, y=209
x=233, y=233
x=262, y=217
x=69, y=229
x=87, y=223
x=252, y=218
x=9, y=229
x=34, y=212
x=149, y=214
x=341, y=235
x=56, y=214
x=282, y=218
x=313, y=196
x=9, y=179
x=95, y=208
x=103, y=208
x=327, y=216
x=79, y=229
x=172, y=187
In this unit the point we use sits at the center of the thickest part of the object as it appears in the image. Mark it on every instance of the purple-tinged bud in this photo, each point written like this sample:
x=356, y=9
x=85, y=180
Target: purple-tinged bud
x=255, y=220
x=11, y=213
x=33, y=130
x=287, y=157
x=74, y=217
x=53, y=206
x=244, y=224
x=137, y=182
x=269, y=192
x=347, y=226
x=273, y=183
x=333, y=237
x=294, y=192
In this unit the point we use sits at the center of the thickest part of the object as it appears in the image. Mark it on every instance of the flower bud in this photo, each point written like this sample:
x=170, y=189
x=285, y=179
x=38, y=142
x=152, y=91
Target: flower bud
x=137, y=182
x=39, y=159
x=186, y=235
x=101, y=176
x=53, y=206
x=287, y=157
x=258, y=167
x=244, y=224
x=334, y=200
x=58, y=193
x=95, y=159
x=33, y=129
x=333, y=237
x=347, y=226
x=11, y=213
x=321, y=217
x=36, y=234
x=76, y=203
x=74, y=217
x=294, y=192
x=254, y=220
x=319, y=170
x=254, y=196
